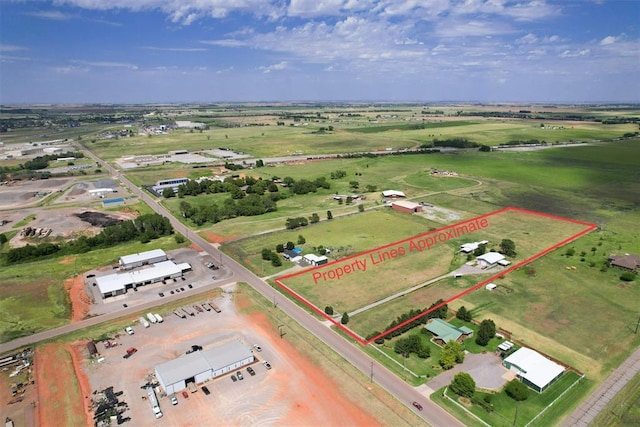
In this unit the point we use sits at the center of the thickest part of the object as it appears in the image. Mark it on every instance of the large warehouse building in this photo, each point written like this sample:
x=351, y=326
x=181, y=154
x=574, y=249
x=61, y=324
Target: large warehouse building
x=118, y=284
x=128, y=262
x=202, y=366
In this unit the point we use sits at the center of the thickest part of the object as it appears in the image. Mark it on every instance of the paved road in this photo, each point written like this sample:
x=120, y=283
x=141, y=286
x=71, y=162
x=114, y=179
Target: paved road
x=350, y=351
x=584, y=415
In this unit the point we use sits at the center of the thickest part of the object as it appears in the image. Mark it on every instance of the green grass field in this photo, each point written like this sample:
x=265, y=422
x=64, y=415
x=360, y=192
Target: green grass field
x=378, y=274
x=507, y=413
x=624, y=409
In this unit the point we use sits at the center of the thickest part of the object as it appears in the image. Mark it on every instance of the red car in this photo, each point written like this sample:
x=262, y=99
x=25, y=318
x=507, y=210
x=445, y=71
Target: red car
x=185, y=394
x=418, y=406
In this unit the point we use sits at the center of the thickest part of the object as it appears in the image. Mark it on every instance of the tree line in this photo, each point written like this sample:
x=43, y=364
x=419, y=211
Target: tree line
x=144, y=228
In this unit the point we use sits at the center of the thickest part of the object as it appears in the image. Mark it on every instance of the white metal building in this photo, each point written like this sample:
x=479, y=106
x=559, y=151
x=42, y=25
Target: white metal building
x=202, y=366
x=137, y=260
x=119, y=283
x=534, y=369
x=489, y=259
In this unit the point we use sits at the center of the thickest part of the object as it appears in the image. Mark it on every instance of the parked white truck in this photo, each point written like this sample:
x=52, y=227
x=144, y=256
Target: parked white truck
x=159, y=318
x=151, y=318
x=144, y=322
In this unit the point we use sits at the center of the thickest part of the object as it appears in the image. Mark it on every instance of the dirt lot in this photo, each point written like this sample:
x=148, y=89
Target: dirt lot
x=294, y=392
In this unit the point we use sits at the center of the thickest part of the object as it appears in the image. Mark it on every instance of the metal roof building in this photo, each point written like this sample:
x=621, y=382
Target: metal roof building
x=202, y=366
x=117, y=284
x=137, y=260
x=534, y=369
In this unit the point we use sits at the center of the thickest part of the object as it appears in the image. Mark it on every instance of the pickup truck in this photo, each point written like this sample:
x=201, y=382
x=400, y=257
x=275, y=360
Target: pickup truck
x=130, y=352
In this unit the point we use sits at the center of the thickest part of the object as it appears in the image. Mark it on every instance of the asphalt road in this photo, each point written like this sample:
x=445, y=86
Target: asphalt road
x=431, y=412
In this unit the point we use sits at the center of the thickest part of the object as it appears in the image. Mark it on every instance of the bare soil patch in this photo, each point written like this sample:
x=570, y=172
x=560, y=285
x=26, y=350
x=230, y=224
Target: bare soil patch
x=214, y=238
x=60, y=386
x=80, y=301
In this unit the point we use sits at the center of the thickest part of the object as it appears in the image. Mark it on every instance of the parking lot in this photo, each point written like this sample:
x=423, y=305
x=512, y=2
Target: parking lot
x=285, y=394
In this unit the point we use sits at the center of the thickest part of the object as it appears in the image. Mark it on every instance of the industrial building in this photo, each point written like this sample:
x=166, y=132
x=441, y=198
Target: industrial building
x=406, y=206
x=118, y=284
x=128, y=262
x=201, y=366
x=168, y=183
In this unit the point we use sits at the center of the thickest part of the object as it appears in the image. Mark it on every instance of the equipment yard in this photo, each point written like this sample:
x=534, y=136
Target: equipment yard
x=293, y=392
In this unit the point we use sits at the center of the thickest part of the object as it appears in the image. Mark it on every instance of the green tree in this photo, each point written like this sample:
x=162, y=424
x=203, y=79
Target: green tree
x=486, y=331
x=168, y=193
x=480, y=250
x=280, y=247
x=464, y=314
x=360, y=208
x=463, y=385
x=328, y=310
x=517, y=391
x=3, y=239
x=266, y=254
x=290, y=246
x=508, y=247
x=314, y=218
x=452, y=353
x=329, y=215
x=275, y=259
x=354, y=184
x=301, y=240
x=345, y=318
x=628, y=276
x=259, y=163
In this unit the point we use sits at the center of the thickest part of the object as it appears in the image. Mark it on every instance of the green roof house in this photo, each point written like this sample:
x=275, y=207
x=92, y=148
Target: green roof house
x=445, y=332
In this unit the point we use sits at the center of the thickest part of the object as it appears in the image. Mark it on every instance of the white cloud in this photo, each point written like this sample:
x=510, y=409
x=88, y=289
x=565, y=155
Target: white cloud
x=472, y=28
x=611, y=40
x=106, y=64
x=314, y=8
x=575, y=53
x=11, y=48
x=50, y=14
x=528, y=39
x=71, y=69
x=175, y=49
x=275, y=67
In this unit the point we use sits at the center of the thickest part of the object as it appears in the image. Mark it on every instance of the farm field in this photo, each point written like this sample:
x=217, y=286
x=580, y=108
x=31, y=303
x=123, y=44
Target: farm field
x=365, y=278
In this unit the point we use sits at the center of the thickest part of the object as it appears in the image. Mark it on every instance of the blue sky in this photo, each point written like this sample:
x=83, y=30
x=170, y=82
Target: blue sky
x=145, y=51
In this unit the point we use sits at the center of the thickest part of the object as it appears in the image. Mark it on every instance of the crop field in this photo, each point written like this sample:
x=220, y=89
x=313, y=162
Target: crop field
x=365, y=278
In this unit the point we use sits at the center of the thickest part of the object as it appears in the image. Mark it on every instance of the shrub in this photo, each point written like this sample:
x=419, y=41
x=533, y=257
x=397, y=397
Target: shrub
x=628, y=276
x=328, y=310
x=463, y=384
x=517, y=390
x=464, y=314
x=345, y=318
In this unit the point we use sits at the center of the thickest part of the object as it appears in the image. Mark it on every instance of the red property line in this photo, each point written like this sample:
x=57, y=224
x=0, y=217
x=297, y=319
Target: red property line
x=589, y=227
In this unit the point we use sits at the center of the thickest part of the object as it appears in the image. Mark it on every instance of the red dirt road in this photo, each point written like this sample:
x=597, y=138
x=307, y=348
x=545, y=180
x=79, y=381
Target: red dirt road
x=80, y=303
x=62, y=386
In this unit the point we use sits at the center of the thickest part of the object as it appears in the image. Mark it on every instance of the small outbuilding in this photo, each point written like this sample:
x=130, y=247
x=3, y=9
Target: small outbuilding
x=406, y=206
x=316, y=260
x=394, y=194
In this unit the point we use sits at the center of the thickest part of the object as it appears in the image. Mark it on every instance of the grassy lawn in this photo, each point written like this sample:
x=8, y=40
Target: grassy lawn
x=32, y=295
x=624, y=408
x=509, y=413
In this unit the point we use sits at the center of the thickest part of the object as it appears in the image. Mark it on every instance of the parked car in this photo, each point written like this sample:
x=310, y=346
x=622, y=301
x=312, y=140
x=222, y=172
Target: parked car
x=418, y=406
x=233, y=378
x=251, y=371
x=257, y=347
x=266, y=364
x=185, y=394
x=174, y=400
x=129, y=330
x=205, y=390
x=239, y=375
x=130, y=352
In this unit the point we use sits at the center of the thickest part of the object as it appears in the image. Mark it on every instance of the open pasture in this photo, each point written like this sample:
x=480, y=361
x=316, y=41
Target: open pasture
x=365, y=278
